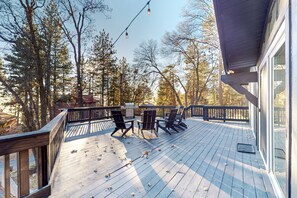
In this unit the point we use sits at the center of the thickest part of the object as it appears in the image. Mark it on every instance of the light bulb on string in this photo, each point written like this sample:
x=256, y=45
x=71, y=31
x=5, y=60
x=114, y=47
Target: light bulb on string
x=149, y=10
x=127, y=35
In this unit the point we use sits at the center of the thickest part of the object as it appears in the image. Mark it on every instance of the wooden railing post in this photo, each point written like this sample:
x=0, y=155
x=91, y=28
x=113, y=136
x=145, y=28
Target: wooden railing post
x=7, y=176
x=90, y=116
x=192, y=111
x=224, y=111
x=163, y=112
x=205, y=113
x=23, y=173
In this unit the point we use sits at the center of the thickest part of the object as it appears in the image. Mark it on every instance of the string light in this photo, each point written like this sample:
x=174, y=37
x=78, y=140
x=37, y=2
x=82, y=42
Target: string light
x=127, y=35
x=126, y=29
x=149, y=9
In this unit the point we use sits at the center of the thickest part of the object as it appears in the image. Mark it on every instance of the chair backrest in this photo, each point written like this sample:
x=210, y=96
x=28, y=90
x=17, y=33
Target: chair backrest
x=149, y=119
x=118, y=119
x=171, y=118
x=180, y=110
x=180, y=114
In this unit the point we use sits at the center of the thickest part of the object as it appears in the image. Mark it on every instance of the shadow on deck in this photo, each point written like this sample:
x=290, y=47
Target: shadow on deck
x=201, y=161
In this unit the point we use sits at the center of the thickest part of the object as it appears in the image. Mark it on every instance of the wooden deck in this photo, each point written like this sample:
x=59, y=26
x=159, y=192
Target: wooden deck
x=201, y=161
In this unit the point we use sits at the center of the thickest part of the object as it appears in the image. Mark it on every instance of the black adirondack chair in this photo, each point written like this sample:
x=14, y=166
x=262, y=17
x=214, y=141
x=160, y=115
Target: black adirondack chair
x=168, y=124
x=148, y=122
x=120, y=123
x=179, y=119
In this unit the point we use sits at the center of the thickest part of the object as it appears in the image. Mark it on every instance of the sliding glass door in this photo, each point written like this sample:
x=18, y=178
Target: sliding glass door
x=279, y=133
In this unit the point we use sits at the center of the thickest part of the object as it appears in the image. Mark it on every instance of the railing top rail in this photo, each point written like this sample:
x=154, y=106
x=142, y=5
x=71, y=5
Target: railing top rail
x=18, y=142
x=142, y=106
x=88, y=108
x=226, y=107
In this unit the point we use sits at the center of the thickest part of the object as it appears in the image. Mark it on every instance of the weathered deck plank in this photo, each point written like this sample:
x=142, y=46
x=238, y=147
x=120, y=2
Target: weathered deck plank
x=201, y=161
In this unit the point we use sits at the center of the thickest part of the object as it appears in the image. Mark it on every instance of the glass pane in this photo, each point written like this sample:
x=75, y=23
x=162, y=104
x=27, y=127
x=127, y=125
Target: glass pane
x=279, y=109
x=263, y=112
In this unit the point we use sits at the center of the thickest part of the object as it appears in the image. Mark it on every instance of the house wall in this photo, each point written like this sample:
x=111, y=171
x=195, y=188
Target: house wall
x=279, y=33
x=294, y=97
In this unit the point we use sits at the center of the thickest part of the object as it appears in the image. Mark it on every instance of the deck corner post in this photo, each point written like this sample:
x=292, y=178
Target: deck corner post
x=205, y=113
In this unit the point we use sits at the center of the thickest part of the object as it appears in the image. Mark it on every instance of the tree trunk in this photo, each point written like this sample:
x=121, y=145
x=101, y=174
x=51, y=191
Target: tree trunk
x=36, y=51
x=78, y=70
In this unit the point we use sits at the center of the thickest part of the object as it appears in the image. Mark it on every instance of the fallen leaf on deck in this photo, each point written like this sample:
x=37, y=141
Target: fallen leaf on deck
x=205, y=188
x=74, y=151
x=168, y=171
x=159, y=149
x=149, y=184
x=133, y=194
x=109, y=188
x=107, y=176
x=95, y=171
x=98, y=159
x=226, y=164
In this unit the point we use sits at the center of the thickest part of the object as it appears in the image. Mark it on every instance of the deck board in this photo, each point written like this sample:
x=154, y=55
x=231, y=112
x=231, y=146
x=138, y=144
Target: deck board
x=201, y=161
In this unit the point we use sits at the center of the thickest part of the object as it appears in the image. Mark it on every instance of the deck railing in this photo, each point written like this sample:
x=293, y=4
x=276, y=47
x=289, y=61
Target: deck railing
x=224, y=113
x=46, y=142
x=82, y=114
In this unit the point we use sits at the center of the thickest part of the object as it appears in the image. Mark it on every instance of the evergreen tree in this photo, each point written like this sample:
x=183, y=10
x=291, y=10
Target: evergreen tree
x=103, y=68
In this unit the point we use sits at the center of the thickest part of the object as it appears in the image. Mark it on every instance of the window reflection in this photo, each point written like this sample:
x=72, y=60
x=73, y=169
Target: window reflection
x=279, y=129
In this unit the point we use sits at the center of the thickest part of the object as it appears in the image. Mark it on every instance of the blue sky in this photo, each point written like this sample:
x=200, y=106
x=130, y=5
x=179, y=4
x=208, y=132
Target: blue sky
x=165, y=15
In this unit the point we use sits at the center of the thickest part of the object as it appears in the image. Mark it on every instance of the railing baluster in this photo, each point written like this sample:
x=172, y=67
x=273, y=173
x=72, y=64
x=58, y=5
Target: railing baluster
x=42, y=167
x=7, y=175
x=23, y=173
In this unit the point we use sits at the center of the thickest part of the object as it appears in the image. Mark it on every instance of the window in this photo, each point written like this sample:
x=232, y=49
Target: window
x=279, y=160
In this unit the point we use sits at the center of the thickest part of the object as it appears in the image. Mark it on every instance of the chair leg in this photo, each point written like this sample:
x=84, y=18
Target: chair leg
x=126, y=131
x=184, y=125
x=175, y=129
x=179, y=126
x=114, y=131
x=132, y=125
x=156, y=132
x=164, y=129
x=142, y=134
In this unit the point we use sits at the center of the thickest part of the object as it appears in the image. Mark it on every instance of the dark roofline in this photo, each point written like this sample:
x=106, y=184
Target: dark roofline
x=241, y=44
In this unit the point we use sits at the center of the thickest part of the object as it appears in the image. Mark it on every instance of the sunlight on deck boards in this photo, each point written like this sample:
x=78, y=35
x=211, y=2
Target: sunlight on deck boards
x=201, y=161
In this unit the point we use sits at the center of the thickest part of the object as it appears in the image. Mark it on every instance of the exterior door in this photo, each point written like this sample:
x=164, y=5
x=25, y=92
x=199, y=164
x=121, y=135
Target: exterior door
x=279, y=132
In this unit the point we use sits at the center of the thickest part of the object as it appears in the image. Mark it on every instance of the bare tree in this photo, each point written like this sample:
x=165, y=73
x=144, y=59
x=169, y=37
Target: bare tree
x=19, y=21
x=76, y=24
x=146, y=59
x=194, y=43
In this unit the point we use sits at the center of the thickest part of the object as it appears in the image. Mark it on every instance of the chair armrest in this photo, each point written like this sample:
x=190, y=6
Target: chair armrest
x=139, y=121
x=160, y=120
x=129, y=121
